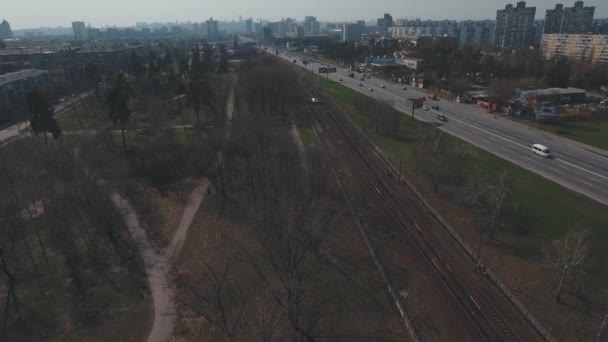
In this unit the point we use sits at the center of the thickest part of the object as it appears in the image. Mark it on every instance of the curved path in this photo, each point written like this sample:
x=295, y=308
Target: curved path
x=158, y=265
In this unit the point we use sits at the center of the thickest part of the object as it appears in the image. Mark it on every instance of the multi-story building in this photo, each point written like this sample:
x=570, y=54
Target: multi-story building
x=212, y=29
x=384, y=23
x=14, y=87
x=416, y=28
x=80, y=31
x=600, y=26
x=311, y=25
x=476, y=32
x=352, y=32
x=577, y=19
x=592, y=48
x=5, y=30
x=514, y=26
x=297, y=31
x=249, y=26
x=279, y=29
x=539, y=26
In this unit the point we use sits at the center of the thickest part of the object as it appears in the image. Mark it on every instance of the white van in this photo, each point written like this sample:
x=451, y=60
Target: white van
x=541, y=150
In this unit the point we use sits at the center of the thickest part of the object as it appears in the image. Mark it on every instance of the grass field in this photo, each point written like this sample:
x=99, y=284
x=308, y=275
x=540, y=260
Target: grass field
x=543, y=212
x=547, y=208
x=591, y=132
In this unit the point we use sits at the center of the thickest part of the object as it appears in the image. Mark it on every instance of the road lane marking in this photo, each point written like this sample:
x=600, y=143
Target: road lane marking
x=583, y=169
x=498, y=136
x=582, y=181
x=597, y=180
x=483, y=130
x=556, y=170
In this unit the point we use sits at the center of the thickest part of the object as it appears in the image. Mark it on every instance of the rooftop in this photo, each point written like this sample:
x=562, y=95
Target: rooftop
x=553, y=91
x=108, y=46
x=20, y=75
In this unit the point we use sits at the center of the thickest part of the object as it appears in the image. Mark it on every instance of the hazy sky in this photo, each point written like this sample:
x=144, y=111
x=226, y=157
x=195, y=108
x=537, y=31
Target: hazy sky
x=35, y=13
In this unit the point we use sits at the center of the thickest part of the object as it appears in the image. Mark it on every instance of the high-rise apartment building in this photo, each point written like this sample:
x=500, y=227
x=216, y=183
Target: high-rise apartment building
x=212, y=29
x=591, y=48
x=5, y=30
x=249, y=26
x=514, y=26
x=311, y=25
x=384, y=23
x=600, y=26
x=577, y=19
x=352, y=32
x=80, y=31
x=476, y=32
x=539, y=26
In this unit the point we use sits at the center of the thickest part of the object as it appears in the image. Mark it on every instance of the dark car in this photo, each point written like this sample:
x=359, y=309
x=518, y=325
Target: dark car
x=435, y=107
x=442, y=117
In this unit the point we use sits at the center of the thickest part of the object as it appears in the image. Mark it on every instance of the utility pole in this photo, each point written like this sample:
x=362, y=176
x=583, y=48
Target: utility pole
x=479, y=249
x=400, y=162
x=413, y=108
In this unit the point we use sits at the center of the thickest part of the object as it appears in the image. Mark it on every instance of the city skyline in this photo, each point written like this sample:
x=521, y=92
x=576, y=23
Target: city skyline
x=61, y=13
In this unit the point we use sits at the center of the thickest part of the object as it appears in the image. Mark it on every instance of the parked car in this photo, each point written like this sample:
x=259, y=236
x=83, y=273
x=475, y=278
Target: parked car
x=425, y=107
x=315, y=100
x=370, y=89
x=404, y=88
x=360, y=84
x=340, y=79
x=435, y=107
x=382, y=86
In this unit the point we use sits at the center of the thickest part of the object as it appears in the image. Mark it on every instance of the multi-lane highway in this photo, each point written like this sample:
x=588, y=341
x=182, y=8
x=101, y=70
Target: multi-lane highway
x=577, y=166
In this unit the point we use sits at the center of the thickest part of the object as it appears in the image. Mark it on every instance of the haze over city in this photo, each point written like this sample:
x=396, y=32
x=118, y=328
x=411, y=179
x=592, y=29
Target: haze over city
x=319, y=171
x=35, y=13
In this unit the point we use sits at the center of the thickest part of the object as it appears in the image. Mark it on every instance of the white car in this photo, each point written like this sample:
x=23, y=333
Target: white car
x=382, y=86
x=542, y=151
x=425, y=107
x=370, y=89
x=315, y=100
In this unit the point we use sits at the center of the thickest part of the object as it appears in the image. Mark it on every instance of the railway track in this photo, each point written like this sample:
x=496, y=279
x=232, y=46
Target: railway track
x=467, y=304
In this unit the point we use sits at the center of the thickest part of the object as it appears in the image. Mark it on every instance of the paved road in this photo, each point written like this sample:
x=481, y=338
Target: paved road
x=577, y=166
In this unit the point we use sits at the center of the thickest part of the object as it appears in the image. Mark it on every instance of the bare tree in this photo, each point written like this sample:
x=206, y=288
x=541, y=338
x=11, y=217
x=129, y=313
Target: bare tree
x=454, y=158
x=604, y=320
x=217, y=296
x=569, y=255
x=428, y=155
x=498, y=199
x=11, y=291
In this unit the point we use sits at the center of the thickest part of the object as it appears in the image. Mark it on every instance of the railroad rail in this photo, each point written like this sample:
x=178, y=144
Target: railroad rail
x=467, y=304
